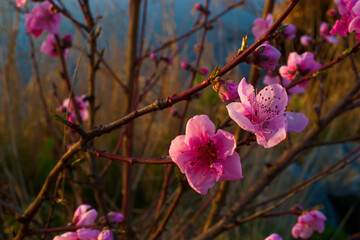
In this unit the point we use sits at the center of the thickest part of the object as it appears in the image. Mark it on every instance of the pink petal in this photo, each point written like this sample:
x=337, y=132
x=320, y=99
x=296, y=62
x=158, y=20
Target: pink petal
x=273, y=134
x=106, y=235
x=218, y=170
x=306, y=218
x=225, y=143
x=307, y=232
x=179, y=152
x=199, y=178
x=200, y=127
x=87, y=234
x=293, y=59
x=246, y=93
x=285, y=72
x=268, y=80
x=274, y=236
x=296, y=122
x=273, y=98
x=318, y=215
x=297, y=229
x=67, y=236
x=81, y=210
x=340, y=28
x=115, y=217
x=354, y=25
x=87, y=218
x=237, y=113
x=319, y=225
x=356, y=8
x=232, y=168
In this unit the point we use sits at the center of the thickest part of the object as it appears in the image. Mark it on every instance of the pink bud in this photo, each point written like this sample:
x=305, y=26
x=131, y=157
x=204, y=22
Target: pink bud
x=174, y=112
x=154, y=56
x=265, y=56
x=204, y=71
x=290, y=32
x=227, y=90
x=105, y=235
x=185, y=65
x=306, y=40
x=274, y=236
x=198, y=6
x=332, y=12
x=115, y=217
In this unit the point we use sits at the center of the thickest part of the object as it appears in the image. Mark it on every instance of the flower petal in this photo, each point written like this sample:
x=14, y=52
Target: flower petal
x=273, y=134
x=67, y=236
x=87, y=234
x=201, y=179
x=199, y=126
x=296, y=122
x=238, y=113
x=232, y=168
x=179, y=152
x=225, y=143
x=87, y=218
x=246, y=93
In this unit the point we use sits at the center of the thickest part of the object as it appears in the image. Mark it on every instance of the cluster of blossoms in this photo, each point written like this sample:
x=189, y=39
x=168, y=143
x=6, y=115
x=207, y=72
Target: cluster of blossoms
x=81, y=104
x=84, y=217
x=349, y=11
x=304, y=228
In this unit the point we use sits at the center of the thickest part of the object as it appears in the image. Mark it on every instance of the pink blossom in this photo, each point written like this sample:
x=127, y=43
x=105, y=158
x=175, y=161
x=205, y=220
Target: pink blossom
x=87, y=234
x=299, y=66
x=49, y=45
x=67, y=236
x=204, y=71
x=306, y=40
x=185, y=65
x=290, y=32
x=264, y=114
x=227, y=90
x=260, y=26
x=324, y=33
x=40, y=18
x=115, y=217
x=105, y=235
x=82, y=107
x=198, y=6
x=274, y=236
x=349, y=11
x=265, y=56
x=307, y=223
x=20, y=3
x=205, y=156
x=269, y=79
x=84, y=217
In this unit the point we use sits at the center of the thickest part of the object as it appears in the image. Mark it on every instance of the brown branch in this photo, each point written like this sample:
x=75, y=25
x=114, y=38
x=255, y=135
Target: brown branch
x=62, y=229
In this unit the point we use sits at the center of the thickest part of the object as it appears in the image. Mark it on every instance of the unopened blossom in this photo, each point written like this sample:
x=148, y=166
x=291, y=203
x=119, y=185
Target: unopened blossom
x=205, y=156
x=49, y=45
x=290, y=32
x=306, y=40
x=349, y=11
x=154, y=56
x=307, y=223
x=332, y=12
x=264, y=114
x=265, y=56
x=42, y=18
x=260, y=26
x=204, y=71
x=81, y=105
x=274, y=236
x=106, y=235
x=227, y=90
x=174, y=112
x=82, y=216
x=115, y=217
x=324, y=33
x=299, y=66
x=185, y=65
x=201, y=8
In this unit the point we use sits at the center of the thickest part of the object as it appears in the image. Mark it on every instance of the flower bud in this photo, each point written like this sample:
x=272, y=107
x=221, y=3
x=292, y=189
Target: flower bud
x=290, y=32
x=204, y=71
x=332, y=13
x=265, y=56
x=174, y=112
x=201, y=8
x=115, y=217
x=306, y=40
x=105, y=235
x=227, y=90
x=185, y=65
x=154, y=56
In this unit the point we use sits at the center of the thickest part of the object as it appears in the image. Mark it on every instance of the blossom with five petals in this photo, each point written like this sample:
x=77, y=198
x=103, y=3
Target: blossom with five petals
x=205, y=156
x=264, y=114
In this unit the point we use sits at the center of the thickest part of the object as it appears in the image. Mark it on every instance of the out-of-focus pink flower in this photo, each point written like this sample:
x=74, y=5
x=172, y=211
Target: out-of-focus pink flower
x=306, y=40
x=274, y=236
x=49, y=45
x=332, y=13
x=198, y=6
x=106, y=235
x=307, y=223
x=227, y=90
x=115, y=217
x=265, y=56
x=67, y=236
x=264, y=114
x=349, y=11
x=201, y=8
x=205, y=156
x=290, y=32
x=154, y=56
x=82, y=107
x=20, y=3
x=260, y=26
x=87, y=234
x=42, y=18
x=299, y=66
x=204, y=71
x=324, y=33
x=185, y=65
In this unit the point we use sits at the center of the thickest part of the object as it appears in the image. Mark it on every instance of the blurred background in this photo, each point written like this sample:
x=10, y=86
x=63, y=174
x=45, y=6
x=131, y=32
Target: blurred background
x=27, y=147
